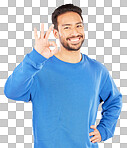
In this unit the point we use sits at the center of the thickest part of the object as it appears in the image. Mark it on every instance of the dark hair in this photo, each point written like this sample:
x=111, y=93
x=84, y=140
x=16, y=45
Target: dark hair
x=62, y=9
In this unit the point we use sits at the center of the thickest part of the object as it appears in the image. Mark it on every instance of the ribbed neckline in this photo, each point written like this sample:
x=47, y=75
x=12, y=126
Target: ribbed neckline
x=67, y=63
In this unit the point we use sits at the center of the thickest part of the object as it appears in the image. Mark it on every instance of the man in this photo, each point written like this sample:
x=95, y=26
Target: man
x=65, y=87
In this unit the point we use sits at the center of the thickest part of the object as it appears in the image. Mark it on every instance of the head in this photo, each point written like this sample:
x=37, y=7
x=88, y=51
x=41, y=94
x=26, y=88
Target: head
x=68, y=26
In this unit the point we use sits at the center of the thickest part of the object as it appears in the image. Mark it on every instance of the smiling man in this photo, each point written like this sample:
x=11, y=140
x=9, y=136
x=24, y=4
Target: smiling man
x=70, y=31
x=65, y=87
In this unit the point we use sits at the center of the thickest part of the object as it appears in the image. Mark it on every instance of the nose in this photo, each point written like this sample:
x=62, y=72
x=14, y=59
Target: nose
x=75, y=32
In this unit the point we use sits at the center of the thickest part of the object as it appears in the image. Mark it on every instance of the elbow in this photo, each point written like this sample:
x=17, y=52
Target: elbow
x=5, y=89
x=121, y=103
x=6, y=92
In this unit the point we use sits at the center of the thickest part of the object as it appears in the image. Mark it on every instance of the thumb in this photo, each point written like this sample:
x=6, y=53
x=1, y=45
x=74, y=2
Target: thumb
x=52, y=43
x=55, y=50
x=93, y=126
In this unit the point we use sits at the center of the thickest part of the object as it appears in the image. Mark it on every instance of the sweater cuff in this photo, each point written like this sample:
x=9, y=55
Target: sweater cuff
x=36, y=57
x=102, y=131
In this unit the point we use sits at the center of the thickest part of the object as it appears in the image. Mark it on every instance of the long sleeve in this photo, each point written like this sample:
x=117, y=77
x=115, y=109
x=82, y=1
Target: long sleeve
x=111, y=108
x=19, y=83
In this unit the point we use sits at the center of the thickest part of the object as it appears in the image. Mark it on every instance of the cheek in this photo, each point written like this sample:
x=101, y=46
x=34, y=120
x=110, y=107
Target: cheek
x=63, y=34
x=83, y=34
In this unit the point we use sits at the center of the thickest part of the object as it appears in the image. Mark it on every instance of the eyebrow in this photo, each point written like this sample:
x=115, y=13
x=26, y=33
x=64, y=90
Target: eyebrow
x=71, y=24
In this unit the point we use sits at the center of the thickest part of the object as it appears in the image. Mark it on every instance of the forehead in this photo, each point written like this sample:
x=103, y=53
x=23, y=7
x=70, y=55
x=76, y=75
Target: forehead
x=68, y=18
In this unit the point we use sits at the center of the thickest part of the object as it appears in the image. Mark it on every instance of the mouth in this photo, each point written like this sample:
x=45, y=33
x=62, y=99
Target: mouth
x=74, y=40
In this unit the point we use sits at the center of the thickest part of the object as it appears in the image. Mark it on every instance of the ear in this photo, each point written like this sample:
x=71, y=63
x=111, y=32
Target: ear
x=55, y=32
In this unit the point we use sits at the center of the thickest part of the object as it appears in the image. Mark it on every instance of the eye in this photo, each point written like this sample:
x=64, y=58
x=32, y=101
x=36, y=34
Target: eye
x=66, y=28
x=80, y=26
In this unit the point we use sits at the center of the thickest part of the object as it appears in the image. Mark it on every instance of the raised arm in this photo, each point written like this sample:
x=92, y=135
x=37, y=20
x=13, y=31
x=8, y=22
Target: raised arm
x=20, y=83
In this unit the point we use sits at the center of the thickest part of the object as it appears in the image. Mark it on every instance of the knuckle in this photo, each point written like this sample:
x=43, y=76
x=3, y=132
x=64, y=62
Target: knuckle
x=92, y=138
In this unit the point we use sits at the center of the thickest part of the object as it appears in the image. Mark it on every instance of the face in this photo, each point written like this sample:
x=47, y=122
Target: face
x=70, y=31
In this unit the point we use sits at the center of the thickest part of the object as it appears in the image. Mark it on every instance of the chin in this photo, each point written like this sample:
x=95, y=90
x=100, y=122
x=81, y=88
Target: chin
x=76, y=46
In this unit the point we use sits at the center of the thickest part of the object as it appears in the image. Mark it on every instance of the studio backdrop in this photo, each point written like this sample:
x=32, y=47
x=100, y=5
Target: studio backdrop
x=105, y=27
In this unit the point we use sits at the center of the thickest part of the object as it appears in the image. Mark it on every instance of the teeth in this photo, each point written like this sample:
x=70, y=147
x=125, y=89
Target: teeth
x=74, y=39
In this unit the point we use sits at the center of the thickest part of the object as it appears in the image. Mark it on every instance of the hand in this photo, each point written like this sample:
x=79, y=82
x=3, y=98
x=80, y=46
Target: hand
x=42, y=44
x=96, y=133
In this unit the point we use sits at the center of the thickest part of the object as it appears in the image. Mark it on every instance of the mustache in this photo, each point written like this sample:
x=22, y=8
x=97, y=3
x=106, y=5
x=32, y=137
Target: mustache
x=75, y=37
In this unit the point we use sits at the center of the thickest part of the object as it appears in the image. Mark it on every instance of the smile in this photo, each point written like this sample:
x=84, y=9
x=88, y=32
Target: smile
x=74, y=40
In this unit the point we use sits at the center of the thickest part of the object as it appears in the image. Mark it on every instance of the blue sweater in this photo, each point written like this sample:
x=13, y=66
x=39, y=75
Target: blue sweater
x=65, y=98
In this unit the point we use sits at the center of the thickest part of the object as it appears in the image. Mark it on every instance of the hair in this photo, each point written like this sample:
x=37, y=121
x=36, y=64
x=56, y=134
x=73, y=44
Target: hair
x=63, y=9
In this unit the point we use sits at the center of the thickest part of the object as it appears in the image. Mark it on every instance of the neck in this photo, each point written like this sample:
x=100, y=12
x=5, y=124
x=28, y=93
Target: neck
x=69, y=56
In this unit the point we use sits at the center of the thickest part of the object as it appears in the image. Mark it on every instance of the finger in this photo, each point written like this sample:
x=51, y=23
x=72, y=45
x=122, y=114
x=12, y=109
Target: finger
x=96, y=140
x=55, y=50
x=49, y=31
x=92, y=133
x=35, y=33
x=52, y=43
x=93, y=138
x=93, y=126
x=95, y=132
x=42, y=31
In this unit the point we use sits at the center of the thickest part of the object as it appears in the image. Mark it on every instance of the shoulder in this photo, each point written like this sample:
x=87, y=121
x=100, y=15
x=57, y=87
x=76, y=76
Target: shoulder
x=96, y=65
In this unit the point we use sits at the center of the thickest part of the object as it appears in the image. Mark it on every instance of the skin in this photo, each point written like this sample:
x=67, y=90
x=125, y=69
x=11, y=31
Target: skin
x=42, y=44
x=72, y=52
x=96, y=134
x=68, y=52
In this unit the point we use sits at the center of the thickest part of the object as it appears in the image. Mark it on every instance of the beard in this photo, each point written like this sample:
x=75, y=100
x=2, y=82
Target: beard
x=71, y=47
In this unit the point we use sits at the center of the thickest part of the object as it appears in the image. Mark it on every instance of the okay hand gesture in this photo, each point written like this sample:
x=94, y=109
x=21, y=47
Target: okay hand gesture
x=42, y=44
